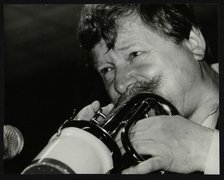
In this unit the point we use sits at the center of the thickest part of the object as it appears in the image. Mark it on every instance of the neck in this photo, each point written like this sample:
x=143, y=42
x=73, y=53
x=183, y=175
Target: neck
x=207, y=108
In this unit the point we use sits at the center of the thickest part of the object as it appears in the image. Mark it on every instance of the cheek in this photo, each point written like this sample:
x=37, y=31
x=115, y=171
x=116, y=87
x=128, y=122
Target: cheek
x=170, y=76
x=146, y=71
x=111, y=91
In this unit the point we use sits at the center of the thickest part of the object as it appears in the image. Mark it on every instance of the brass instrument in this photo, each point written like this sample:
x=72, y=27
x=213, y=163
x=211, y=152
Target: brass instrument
x=122, y=118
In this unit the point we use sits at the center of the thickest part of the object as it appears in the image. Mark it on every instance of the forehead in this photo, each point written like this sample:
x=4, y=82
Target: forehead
x=132, y=29
x=129, y=28
x=132, y=32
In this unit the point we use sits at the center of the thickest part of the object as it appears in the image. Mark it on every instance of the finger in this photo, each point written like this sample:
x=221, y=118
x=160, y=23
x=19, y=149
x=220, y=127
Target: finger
x=95, y=105
x=132, y=137
x=147, y=166
x=88, y=112
x=141, y=125
x=120, y=145
x=105, y=110
x=118, y=141
x=146, y=123
x=145, y=135
x=142, y=145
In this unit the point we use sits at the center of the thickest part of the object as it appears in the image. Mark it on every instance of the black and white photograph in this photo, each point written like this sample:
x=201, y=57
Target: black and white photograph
x=126, y=88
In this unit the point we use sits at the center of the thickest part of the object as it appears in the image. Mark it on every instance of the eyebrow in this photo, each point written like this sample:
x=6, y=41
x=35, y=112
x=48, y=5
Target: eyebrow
x=96, y=64
x=126, y=47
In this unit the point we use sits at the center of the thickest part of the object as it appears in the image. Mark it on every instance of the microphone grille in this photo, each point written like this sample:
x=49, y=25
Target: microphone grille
x=14, y=141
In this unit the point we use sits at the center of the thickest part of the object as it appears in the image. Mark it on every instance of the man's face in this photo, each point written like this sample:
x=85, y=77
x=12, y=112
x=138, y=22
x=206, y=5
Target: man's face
x=143, y=58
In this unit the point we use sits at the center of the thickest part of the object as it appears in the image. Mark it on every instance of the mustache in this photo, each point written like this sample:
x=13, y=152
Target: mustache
x=137, y=87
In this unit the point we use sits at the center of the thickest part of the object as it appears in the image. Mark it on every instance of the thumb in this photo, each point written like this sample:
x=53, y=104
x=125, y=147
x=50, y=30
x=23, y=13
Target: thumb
x=88, y=112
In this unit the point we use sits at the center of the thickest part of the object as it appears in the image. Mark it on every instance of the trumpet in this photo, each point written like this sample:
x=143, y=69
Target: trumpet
x=88, y=147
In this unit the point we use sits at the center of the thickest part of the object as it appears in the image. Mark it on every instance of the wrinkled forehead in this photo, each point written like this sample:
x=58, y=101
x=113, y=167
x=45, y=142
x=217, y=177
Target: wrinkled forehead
x=131, y=32
x=129, y=28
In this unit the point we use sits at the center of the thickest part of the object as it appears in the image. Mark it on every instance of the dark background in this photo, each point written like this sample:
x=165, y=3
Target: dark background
x=46, y=74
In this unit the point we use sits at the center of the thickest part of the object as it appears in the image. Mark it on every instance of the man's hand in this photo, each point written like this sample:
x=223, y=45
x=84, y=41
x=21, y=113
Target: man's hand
x=89, y=111
x=175, y=144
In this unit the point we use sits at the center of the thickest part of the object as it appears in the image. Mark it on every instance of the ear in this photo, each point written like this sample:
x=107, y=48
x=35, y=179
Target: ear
x=196, y=44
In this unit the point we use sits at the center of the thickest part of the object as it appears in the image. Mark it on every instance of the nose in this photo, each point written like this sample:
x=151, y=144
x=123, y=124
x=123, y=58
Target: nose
x=124, y=78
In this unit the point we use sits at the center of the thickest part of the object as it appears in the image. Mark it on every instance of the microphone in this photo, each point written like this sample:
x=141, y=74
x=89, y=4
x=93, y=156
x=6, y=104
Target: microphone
x=13, y=142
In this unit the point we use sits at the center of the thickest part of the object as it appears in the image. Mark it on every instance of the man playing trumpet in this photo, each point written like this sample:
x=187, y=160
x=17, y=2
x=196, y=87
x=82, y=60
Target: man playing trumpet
x=159, y=49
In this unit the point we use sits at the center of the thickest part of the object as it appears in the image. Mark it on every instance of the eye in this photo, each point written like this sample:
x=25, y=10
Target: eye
x=135, y=54
x=105, y=70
